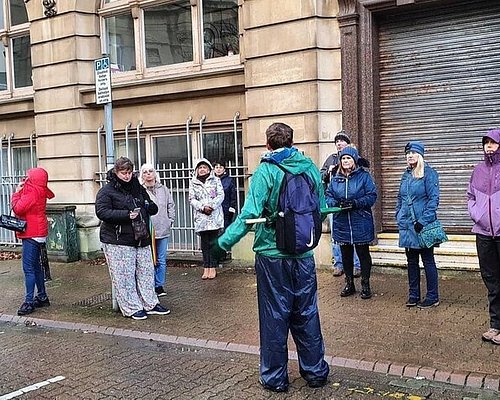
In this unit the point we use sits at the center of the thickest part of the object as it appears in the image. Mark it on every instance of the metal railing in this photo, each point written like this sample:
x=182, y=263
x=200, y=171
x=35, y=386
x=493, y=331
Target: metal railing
x=177, y=177
x=10, y=178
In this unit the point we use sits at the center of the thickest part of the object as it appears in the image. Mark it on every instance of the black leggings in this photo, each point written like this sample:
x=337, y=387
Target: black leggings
x=365, y=260
x=488, y=251
x=207, y=238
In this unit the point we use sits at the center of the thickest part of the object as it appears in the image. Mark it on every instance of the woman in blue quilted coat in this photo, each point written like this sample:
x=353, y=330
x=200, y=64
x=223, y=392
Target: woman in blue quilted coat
x=352, y=188
x=418, y=200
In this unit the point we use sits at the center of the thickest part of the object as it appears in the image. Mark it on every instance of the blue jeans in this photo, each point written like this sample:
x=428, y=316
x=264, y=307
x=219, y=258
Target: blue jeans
x=161, y=265
x=32, y=268
x=431, y=273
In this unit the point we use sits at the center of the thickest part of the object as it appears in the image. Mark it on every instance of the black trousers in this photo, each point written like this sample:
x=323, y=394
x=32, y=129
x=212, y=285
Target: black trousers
x=488, y=251
x=207, y=238
x=365, y=259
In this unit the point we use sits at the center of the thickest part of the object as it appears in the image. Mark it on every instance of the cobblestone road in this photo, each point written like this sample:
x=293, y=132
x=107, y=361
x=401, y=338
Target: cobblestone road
x=97, y=366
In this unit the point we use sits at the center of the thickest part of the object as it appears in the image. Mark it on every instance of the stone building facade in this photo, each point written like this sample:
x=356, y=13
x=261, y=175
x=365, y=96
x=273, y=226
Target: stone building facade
x=285, y=66
x=383, y=69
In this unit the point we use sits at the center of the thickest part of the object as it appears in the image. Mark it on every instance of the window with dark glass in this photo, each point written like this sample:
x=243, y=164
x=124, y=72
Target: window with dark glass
x=121, y=43
x=3, y=69
x=21, y=54
x=220, y=146
x=220, y=28
x=18, y=14
x=171, y=150
x=121, y=147
x=21, y=160
x=2, y=18
x=168, y=34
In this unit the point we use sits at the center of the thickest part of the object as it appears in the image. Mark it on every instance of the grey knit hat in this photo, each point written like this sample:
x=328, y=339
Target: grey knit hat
x=342, y=135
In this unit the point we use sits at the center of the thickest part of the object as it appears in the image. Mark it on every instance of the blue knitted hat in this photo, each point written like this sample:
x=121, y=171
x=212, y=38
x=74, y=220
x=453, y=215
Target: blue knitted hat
x=350, y=151
x=417, y=147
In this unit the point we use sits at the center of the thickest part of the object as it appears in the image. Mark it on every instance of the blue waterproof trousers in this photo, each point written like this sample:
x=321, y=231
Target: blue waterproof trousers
x=288, y=301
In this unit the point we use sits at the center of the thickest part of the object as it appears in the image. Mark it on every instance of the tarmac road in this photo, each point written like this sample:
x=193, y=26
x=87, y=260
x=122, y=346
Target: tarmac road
x=99, y=366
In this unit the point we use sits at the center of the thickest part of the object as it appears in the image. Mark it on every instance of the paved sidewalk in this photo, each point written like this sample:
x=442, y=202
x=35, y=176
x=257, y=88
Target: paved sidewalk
x=381, y=334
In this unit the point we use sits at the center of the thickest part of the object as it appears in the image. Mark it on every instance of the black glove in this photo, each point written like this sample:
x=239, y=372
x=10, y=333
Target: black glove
x=346, y=204
x=217, y=252
x=418, y=227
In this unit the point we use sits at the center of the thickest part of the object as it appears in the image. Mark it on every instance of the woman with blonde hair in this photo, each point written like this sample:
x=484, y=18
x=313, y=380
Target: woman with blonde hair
x=162, y=222
x=418, y=200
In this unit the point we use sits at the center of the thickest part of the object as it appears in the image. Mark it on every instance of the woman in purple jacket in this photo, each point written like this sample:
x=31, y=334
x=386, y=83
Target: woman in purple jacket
x=484, y=209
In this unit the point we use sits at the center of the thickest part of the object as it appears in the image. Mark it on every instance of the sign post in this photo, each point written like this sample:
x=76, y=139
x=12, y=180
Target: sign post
x=103, y=96
x=102, y=69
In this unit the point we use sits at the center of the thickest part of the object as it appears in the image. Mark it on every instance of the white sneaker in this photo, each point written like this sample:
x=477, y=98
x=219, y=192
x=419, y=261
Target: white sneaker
x=491, y=334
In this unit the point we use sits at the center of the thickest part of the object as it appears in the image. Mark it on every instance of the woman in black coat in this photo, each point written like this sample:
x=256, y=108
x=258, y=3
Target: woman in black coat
x=120, y=204
x=229, y=203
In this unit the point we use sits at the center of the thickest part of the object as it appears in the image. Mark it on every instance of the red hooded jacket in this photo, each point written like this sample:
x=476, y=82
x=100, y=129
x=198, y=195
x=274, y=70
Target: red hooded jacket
x=30, y=203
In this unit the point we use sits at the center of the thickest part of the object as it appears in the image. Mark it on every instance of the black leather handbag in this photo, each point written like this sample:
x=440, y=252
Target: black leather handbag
x=141, y=231
x=12, y=223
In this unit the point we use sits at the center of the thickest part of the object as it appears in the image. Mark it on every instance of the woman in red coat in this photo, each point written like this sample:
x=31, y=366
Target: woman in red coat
x=29, y=203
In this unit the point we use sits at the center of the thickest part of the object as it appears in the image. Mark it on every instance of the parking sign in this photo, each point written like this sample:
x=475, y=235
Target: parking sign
x=102, y=80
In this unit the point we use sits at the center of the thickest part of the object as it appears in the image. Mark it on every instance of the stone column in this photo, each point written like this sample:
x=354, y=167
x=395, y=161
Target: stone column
x=64, y=43
x=348, y=25
x=292, y=73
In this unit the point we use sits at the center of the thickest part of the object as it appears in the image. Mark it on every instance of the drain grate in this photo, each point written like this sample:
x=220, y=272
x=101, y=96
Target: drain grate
x=94, y=300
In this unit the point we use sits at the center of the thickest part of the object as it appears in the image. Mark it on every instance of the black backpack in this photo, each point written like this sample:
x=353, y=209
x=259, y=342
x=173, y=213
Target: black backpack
x=298, y=222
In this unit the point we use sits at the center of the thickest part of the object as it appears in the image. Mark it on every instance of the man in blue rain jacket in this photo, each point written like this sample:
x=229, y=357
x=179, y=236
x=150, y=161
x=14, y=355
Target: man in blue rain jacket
x=286, y=284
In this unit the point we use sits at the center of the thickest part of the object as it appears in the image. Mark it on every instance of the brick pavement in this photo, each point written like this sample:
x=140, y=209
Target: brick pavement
x=442, y=344
x=46, y=363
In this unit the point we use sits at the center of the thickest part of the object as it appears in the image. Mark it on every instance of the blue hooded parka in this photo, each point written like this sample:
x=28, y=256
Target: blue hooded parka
x=424, y=194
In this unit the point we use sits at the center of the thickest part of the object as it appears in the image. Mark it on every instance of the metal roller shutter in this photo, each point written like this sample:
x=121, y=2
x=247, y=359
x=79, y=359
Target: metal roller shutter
x=440, y=84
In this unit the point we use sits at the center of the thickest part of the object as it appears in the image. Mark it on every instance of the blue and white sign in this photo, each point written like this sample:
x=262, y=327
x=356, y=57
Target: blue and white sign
x=102, y=80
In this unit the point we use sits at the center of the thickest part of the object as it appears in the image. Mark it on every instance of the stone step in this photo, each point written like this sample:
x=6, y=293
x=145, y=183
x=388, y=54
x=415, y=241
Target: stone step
x=460, y=242
x=457, y=254
x=441, y=250
x=441, y=265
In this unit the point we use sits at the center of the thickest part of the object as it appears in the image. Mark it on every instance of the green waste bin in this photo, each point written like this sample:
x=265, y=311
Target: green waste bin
x=62, y=242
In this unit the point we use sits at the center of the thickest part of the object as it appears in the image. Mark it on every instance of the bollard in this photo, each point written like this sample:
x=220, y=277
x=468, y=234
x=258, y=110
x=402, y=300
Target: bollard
x=113, y=299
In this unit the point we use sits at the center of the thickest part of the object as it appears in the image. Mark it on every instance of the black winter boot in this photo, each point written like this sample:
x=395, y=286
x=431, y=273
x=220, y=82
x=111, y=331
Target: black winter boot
x=366, y=292
x=349, y=288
